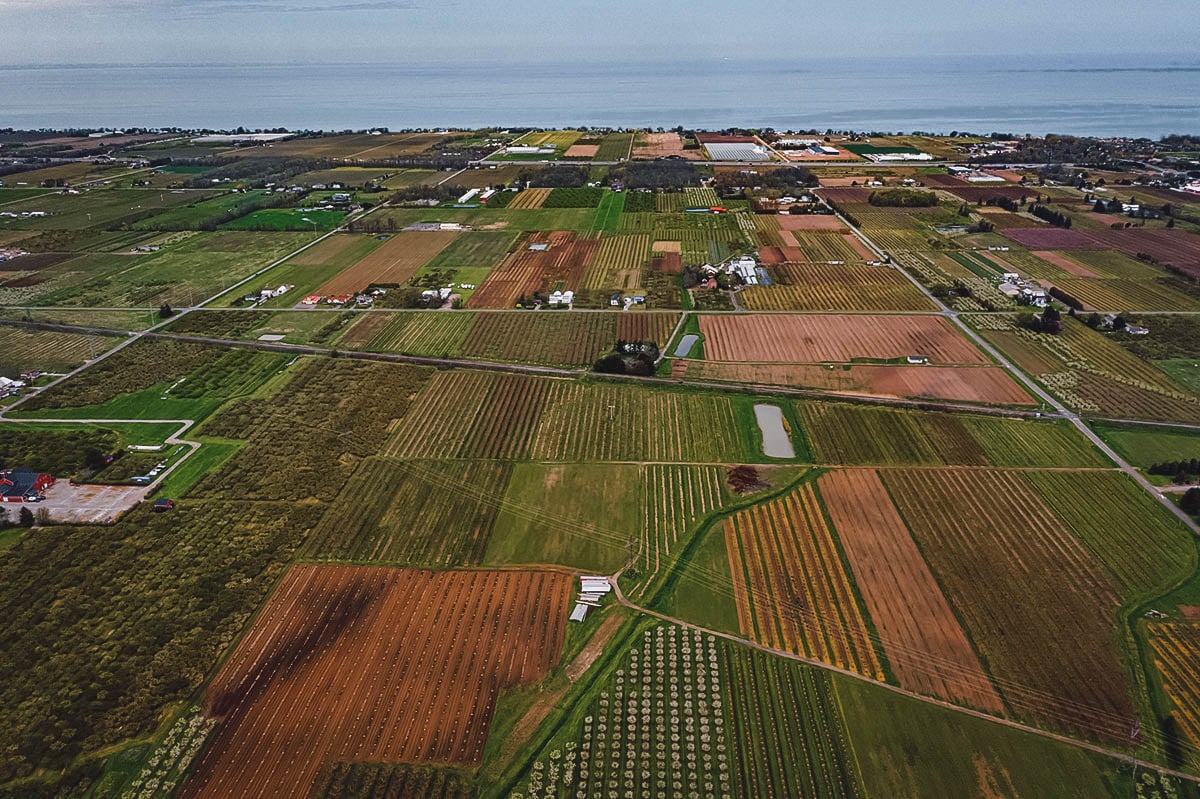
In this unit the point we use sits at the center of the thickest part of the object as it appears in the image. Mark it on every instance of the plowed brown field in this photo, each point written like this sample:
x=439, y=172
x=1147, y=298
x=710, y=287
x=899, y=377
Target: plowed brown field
x=922, y=639
x=360, y=663
x=989, y=385
x=526, y=271
x=391, y=264
x=828, y=338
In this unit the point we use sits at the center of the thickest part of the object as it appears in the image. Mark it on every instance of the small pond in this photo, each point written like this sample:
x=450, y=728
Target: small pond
x=776, y=441
x=685, y=345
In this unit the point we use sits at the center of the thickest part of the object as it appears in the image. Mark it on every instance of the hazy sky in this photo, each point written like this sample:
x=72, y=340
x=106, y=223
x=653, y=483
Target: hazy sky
x=207, y=31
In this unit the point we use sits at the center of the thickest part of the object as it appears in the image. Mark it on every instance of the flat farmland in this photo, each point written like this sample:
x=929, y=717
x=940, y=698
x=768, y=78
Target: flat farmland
x=810, y=222
x=428, y=333
x=47, y=351
x=315, y=266
x=787, y=729
x=791, y=590
x=606, y=422
x=768, y=231
x=617, y=254
x=1093, y=374
x=1117, y=296
x=677, y=497
x=336, y=668
x=985, y=385
x=530, y=199
x=844, y=287
x=561, y=338
x=1039, y=607
x=465, y=414
x=828, y=338
x=614, y=147
x=924, y=643
x=864, y=436
x=182, y=274
x=660, y=145
x=1177, y=657
x=580, y=515
x=646, y=326
x=475, y=249
x=821, y=246
x=526, y=271
x=1146, y=549
x=93, y=207
x=393, y=263
x=419, y=513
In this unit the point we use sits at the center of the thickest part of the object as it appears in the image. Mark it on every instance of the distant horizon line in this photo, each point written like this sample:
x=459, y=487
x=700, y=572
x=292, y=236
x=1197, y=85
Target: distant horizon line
x=1164, y=61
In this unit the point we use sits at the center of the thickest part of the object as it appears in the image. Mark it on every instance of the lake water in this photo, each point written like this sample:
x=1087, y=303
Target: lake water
x=776, y=442
x=1131, y=95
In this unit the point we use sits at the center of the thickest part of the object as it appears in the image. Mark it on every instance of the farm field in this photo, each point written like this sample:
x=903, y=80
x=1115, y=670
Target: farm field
x=613, y=422
x=476, y=414
x=907, y=748
x=92, y=207
x=824, y=287
x=584, y=516
x=791, y=589
x=501, y=630
x=864, y=436
x=1176, y=655
x=827, y=338
x=392, y=263
x=563, y=338
x=47, y=351
x=188, y=270
x=563, y=264
x=677, y=498
x=923, y=641
x=1054, y=651
x=977, y=384
x=1092, y=374
x=417, y=513
x=429, y=333
x=313, y=267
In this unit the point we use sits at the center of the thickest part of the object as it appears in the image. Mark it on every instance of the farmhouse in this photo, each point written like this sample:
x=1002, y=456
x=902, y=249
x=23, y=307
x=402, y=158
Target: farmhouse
x=1035, y=297
x=23, y=485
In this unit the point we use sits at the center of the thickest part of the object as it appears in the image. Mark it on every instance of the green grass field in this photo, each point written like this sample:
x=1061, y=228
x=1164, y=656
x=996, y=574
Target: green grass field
x=904, y=747
x=1144, y=446
x=212, y=453
x=580, y=515
x=314, y=219
x=194, y=215
x=181, y=274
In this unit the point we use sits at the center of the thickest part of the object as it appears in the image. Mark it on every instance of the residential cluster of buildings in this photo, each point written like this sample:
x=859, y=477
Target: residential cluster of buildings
x=268, y=293
x=1022, y=291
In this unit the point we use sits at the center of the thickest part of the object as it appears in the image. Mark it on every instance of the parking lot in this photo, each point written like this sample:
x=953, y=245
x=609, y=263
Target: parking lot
x=89, y=504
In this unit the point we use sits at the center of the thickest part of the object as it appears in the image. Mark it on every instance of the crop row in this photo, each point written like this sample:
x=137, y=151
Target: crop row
x=412, y=514
x=1039, y=606
x=791, y=589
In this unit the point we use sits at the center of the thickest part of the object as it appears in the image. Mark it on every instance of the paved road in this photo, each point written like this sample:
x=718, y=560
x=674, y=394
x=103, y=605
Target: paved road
x=1060, y=410
x=171, y=440
x=1122, y=756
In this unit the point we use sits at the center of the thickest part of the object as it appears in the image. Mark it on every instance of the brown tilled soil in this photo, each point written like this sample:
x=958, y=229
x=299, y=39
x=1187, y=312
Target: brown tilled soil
x=831, y=338
x=397, y=260
x=926, y=646
x=360, y=663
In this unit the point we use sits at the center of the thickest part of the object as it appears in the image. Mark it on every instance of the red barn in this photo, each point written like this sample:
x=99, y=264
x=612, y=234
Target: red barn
x=23, y=485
